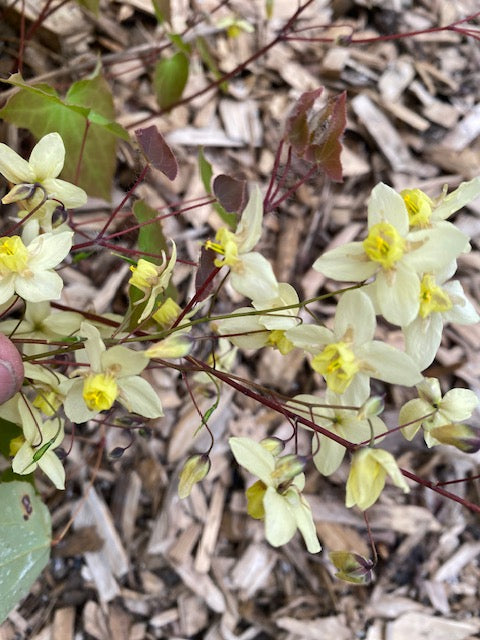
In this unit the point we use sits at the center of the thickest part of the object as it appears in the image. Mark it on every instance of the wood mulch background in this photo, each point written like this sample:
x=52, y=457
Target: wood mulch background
x=138, y=562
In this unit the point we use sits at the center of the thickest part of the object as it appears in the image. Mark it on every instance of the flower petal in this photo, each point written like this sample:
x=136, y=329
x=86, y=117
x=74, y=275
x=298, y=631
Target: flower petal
x=254, y=278
x=346, y=263
x=389, y=364
x=398, y=295
x=253, y=457
x=47, y=157
x=304, y=519
x=49, y=249
x=51, y=466
x=69, y=194
x=465, y=193
x=386, y=205
x=13, y=167
x=138, y=396
x=355, y=311
x=249, y=228
x=280, y=522
x=422, y=339
x=44, y=285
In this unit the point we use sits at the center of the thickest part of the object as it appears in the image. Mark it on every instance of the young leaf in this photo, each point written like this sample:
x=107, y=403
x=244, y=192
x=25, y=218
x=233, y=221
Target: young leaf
x=316, y=138
x=231, y=193
x=206, y=173
x=162, y=10
x=92, y=5
x=26, y=533
x=157, y=151
x=88, y=106
x=170, y=78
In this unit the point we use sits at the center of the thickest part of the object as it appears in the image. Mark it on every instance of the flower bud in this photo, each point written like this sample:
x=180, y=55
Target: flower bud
x=287, y=468
x=373, y=406
x=194, y=470
x=21, y=191
x=273, y=445
x=352, y=567
x=11, y=369
x=172, y=347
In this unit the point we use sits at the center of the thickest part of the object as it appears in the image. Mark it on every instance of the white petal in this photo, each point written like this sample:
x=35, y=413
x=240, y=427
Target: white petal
x=245, y=332
x=304, y=520
x=126, y=362
x=411, y=414
x=69, y=194
x=254, y=278
x=47, y=157
x=439, y=247
x=389, y=364
x=280, y=523
x=44, y=285
x=253, y=457
x=13, y=167
x=53, y=468
x=7, y=287
x=329, y=456
x=465, y=193
x=463, y=312
x=390, y=465
x=422, y=339
x=399, y=300
x=386, y=205
x=138, y=396
x=348, y=262
x=23, y=462
x=94, y=346
x=75, y=408
x=355, y=311
x=310, y=337
x=459, y=404
x=49, y=249
x=249, y=228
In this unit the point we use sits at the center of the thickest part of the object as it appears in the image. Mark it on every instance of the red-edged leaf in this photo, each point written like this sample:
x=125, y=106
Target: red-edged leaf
x=231, y=193
x=157, y=151
x=325, y=148
x=297, y=130
x=205, y=268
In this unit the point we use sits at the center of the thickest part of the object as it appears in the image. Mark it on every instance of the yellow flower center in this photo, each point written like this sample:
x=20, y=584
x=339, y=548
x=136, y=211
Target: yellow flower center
x=226, y=246
x=255, y=495
x=419, y=207
x=145, y=275
x=384, y=245
x=278, y=340
x=100, y=390
x=432, y=297
x=13, y=255
x=338, y=365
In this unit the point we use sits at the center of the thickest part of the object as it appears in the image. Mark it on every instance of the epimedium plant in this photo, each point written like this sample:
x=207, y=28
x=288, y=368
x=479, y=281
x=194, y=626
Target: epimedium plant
x=60, y=366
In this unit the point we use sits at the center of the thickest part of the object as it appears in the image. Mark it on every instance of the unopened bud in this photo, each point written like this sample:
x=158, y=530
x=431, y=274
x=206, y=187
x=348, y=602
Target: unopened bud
x=172, y=347
x=461, y=436
x=373, y=406
x=11, y=369
x=287, y=468
x=273, y=445
x=194, y=470
x=352, y=567
x=19, y=192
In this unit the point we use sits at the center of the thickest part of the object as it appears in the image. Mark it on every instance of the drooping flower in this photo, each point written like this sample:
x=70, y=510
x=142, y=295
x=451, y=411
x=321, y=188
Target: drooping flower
x=113, y=375
x=277, y=496
x=152, y=279
x=37, y=179
x=368, y=472
x=431, y=410
x=348, y=355
x=28, y=269
x=250, y=273
x=37, y=448
x=393, y=255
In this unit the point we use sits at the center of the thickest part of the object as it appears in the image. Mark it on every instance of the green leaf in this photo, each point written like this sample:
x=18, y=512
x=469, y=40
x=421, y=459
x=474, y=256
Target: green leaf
x=92, y=5
x=162, y=10
x=150, y=237
x=170, y=78
x=88, y=107
x=26, y=533
x=8, y=431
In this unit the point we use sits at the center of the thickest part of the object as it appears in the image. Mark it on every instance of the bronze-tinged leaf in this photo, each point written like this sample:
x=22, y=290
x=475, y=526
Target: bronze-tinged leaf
x=326, y=130
x=231, y=193
x=157, y=151
x=205, y=268
x=297, y=130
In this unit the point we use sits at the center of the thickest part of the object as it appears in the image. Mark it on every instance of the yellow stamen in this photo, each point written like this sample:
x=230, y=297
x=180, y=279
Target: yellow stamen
x=338, y=365
x=432, y=297
x=384, y=245
x=100, y=390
